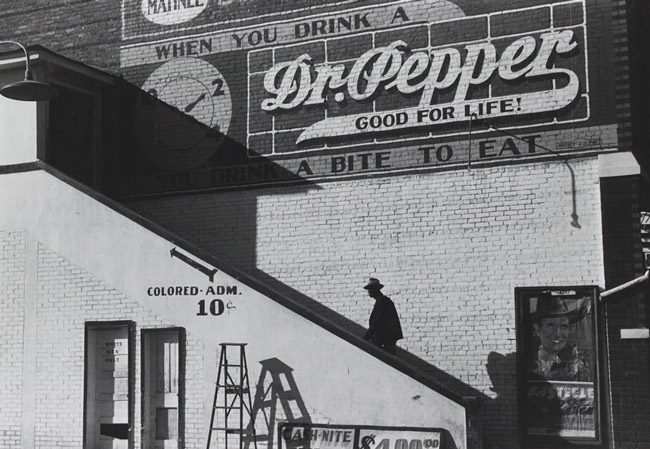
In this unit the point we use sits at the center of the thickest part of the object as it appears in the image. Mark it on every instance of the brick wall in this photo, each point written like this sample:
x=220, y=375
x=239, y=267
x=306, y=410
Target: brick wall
x=68, y=296
x=89, y=31
x=628, y=359
x=450, y=248
x=12, y=291
x=637, y=17
x=75, y=235
x=621, y=56
x=440, y=242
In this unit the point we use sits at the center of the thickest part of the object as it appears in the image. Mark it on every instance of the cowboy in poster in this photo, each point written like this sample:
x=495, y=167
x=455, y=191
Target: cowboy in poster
x=560, y=366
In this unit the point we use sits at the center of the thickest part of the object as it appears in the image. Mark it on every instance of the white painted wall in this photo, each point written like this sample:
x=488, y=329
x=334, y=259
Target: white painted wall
x=17, y=131
x=450, y=247
x=337, y=380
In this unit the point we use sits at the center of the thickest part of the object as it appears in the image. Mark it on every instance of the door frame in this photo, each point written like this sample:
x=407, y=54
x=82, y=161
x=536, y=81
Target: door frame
x=98, y=325
x=181, y=379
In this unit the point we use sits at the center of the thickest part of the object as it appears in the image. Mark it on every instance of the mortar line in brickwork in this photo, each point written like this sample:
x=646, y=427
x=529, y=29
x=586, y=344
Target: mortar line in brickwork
x=273, y=149
x=489, y=28
x=248, y=102
x=588, y=106
x=273, y=139
x=374, y=102
x=552, y=16
x=355, y=59
x=325, y=42
x=585, y=36
x=489, y=38
x=428, y=50
x=529, y=8
x=123, y=14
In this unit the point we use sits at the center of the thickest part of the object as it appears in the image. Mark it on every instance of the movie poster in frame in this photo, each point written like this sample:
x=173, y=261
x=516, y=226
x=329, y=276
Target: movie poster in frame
x=558, y=365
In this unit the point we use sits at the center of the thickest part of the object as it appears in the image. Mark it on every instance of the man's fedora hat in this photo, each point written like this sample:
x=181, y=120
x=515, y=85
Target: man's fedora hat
x=373, y=283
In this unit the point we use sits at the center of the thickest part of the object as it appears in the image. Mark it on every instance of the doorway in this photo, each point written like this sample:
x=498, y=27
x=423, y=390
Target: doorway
x=109, y=385
x=163, y=387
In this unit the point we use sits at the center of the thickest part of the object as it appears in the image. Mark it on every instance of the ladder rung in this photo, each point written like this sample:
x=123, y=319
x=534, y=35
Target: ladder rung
x=289, y=397
x=225, y=407
x=234, y=388
x=230, y=429
x=234, y=365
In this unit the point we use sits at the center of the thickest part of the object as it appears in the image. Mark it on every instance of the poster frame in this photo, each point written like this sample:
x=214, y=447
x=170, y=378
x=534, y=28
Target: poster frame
x=522, y=321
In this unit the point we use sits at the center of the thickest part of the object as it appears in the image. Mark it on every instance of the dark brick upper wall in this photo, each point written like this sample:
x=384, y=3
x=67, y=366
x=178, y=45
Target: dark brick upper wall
x=638, y=17
x=628, y=358
x=90, y=31
x=620, y=42
x=85, y=30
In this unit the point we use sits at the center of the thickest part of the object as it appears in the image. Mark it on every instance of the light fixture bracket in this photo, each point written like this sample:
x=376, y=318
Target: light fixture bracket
x=27, y=89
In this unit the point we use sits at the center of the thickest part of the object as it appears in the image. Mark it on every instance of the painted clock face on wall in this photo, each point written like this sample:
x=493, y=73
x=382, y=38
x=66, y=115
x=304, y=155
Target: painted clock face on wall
x=184, y=129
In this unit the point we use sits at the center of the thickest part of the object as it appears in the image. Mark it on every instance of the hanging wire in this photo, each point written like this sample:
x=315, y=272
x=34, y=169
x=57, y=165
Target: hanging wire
x=574, y=212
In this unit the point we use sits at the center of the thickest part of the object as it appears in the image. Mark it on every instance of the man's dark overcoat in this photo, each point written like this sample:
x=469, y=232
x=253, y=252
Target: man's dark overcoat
x=384, y=328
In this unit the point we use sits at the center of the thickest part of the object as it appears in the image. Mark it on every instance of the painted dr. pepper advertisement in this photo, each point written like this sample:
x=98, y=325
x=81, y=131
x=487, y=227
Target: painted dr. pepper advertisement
x=349, y=88
x=558, y=363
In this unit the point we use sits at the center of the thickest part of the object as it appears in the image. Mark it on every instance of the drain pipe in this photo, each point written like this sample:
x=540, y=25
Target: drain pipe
x=604, y=295
x=627, y=285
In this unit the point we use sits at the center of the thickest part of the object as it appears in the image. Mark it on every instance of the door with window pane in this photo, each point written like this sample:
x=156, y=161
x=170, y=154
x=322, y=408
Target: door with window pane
x=162, y=388
x=108, y=380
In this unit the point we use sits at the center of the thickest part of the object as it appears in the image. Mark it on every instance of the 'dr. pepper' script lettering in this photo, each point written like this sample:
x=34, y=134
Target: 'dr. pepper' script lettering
x=300, y=82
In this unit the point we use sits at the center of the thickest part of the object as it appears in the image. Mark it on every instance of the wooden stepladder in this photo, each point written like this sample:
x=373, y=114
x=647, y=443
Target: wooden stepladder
x=276, y=384
x=232, y=401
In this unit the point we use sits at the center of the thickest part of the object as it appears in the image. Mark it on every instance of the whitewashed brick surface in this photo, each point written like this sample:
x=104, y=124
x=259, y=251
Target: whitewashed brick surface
x=12, y=291
x=67, y=298
x=450, y=247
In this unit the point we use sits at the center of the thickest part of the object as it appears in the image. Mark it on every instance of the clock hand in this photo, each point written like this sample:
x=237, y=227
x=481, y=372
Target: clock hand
x=190, y=106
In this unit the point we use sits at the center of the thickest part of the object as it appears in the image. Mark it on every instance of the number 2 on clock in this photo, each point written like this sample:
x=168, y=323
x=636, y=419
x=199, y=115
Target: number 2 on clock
x=218, y=91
